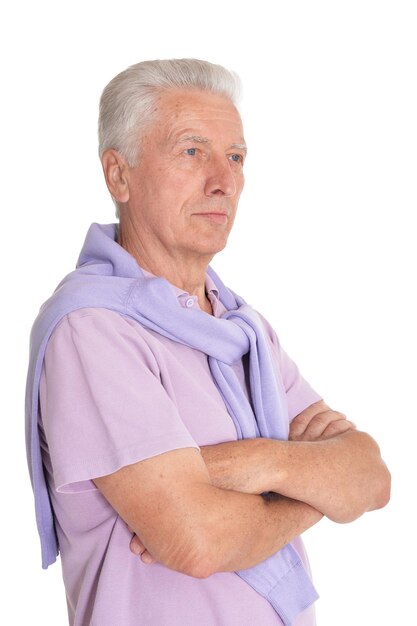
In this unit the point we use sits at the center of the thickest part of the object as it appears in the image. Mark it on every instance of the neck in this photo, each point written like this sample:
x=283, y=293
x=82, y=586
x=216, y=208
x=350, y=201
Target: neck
x=183, y=273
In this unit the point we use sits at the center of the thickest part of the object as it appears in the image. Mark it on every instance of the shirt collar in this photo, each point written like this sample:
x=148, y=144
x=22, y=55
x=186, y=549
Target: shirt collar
x=188, y=301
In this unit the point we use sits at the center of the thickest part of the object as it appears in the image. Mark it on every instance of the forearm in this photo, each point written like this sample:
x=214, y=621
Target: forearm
x=247, y=465
x=265, y=525
x=229, y=531
x=189, y=525
x=342, y=477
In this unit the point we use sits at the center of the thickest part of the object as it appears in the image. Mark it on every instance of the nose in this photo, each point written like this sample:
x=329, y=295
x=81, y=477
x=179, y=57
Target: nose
x=220, y=179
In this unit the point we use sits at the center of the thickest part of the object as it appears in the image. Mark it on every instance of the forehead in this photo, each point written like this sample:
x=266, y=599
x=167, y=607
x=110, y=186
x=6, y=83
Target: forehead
x=195, y=111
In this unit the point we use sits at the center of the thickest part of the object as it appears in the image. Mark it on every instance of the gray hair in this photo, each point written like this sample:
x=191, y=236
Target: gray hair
x=128, y=102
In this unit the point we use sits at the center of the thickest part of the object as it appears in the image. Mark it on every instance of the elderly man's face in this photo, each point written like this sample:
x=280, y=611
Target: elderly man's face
x=183, y=194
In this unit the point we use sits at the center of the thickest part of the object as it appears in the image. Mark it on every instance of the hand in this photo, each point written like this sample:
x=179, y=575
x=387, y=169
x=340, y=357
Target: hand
x=137, y=547
x=319, y=422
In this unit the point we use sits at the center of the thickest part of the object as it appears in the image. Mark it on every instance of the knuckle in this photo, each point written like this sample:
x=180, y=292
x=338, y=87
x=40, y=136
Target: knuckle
x=300, y=421
x=339, y=426
x=336, y=426
x=339, y=415
x=320, y=420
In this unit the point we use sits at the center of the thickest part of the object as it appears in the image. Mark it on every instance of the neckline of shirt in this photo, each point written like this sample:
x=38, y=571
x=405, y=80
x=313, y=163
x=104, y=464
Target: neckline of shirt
x=188, y=300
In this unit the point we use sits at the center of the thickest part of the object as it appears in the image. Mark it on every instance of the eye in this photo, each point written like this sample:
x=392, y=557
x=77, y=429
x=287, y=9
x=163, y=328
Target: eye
x=190, y=151
x=236, y=158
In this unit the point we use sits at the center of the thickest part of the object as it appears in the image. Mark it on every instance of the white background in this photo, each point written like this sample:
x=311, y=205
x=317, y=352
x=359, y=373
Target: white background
x=324, y=245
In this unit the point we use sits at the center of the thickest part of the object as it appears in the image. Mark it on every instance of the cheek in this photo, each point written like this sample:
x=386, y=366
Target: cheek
x=240, y=183
x=183, y=180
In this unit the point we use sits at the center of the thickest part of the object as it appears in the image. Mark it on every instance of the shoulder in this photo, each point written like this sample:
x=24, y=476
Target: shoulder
x=98, y=321
x=101, y=334
x=269, y=332
x=96, y=315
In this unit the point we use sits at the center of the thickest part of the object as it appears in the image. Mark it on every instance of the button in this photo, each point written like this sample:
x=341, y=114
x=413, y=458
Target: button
x=189, y=303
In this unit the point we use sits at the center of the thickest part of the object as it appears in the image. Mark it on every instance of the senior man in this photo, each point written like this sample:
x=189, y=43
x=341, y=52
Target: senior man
x=161, y=406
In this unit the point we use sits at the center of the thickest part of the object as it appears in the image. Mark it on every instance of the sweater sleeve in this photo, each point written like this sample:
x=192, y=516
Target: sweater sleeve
x=299, y=393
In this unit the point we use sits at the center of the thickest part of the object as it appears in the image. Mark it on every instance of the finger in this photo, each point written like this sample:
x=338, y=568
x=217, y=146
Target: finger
x=136, y=546
x=320, y=423
x=300, y=423
x=147, y=558
x=298, y=427
x=338, y=428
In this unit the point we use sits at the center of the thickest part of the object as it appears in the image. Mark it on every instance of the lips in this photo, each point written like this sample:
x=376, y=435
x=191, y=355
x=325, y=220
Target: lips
x=215, y=216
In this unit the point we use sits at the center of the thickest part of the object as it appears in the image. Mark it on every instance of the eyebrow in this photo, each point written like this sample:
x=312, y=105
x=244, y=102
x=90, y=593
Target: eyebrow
x=199, y=139
x=239, y=146
x=196, y=138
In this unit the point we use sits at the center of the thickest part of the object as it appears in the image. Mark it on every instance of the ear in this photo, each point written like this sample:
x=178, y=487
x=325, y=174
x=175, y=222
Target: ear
x=116, y=173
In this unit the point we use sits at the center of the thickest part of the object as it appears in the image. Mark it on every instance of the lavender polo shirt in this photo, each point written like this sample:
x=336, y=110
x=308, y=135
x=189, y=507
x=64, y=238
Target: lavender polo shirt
x=113, y=393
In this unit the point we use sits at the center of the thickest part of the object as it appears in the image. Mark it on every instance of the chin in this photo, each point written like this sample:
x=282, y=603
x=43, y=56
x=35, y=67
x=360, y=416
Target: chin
x=212, y=247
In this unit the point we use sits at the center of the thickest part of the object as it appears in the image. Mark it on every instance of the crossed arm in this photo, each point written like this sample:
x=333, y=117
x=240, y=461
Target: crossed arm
x=201, y=513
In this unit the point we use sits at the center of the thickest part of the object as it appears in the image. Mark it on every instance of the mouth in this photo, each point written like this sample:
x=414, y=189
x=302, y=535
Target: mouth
x=219, y=217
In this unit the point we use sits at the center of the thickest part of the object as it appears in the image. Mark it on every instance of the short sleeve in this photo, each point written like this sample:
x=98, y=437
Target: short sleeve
x=103, y=405
x=299, y=393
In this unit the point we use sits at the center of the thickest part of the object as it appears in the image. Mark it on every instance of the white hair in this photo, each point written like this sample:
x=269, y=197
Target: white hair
x=128, y=102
